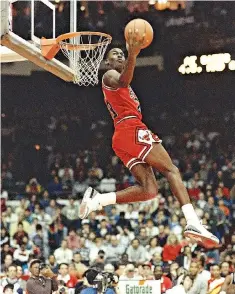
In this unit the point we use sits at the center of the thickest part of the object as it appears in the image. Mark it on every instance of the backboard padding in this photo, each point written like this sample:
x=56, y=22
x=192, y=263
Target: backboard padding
x=29, y=51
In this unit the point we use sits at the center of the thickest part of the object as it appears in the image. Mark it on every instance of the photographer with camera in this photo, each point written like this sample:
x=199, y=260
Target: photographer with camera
x=42, y=279
x=97, y=282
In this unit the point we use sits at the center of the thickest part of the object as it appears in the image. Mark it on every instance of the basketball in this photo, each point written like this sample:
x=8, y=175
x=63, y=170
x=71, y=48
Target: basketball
x=143, y=27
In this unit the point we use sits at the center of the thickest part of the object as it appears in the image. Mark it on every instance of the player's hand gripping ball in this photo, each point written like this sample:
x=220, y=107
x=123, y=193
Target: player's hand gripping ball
x=138, y=32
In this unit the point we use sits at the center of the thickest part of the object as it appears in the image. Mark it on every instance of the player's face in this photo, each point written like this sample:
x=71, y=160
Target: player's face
x=116, y=59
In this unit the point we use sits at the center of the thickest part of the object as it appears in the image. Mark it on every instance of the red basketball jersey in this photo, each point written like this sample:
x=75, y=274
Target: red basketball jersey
x=121, y=103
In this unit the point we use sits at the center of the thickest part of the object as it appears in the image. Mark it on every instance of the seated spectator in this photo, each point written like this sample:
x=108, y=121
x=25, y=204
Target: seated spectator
x=11, y=278
x=93, y=221
x=8, y=260
x=20, y=234
x=225, y=269
x=125, y=236
x=199, y=282
x=38, y=239
x=123, y=222
x=143, y=237
x=136, y=252
x=28, y=244
x=51, y=209
x=114, y=251
x=152, y=230
x=146, y=272
x=99, y=245
x=53, y=264
x=70, y=213
x=216, y=281
x=63, y=254
x=172, y=248
x=5, y=250
x=10, y=217
x=161, y=219
x=22, y=207
x=32, y=203
x=184, y=259
x=66, y=175
x=84, y=251
x=203, y=273
x=157, y=259
x=55, y=236
x=33, y=187
x=99, y=261
x=108, y=184
x=69, y=280
x=43, y=218
x=153, y=247
x=80, y=185
x=55, y=187
x=223, y=207
x=85, y=230
x=165, y=281
x=96, y=171
x=44, y=202
x=104, y=228
x=131, y=214
x=21, y=277
x=130, y=273
x=162, y=236
x=73, y=240
x=175, y=226
x=124, y=259
x=90, y=243
x=183, y=287
x=79, y=266
x=28, y=216
x=21, y=256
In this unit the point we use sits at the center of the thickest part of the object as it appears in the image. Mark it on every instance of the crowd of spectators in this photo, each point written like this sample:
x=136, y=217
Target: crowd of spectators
x=112, y=16
x=137, y=241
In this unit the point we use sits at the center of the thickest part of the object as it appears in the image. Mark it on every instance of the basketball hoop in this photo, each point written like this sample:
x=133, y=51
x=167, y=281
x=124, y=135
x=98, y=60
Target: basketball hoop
x=85, y=51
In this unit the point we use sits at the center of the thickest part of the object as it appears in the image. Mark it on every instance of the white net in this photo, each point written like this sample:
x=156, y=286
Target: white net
x=85, y=52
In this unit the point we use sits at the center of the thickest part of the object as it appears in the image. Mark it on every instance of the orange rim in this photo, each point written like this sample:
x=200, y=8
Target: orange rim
x=69, y=46
x=51, y=46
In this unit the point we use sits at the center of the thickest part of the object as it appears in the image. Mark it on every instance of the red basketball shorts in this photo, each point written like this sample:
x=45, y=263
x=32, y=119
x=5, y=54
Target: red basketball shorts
x=132, y=141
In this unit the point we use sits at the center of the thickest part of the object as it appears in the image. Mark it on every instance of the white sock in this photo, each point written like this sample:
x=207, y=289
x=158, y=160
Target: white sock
x=106, y=198
x=190, y=214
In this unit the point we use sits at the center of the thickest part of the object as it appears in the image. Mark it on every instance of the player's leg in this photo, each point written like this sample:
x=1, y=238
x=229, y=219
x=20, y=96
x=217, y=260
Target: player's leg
x=145, y=191
x=160, y=159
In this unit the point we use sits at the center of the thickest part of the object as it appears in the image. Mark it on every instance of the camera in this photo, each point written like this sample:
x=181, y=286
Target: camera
x=62, y=287
x=100, y=280
x=62, y=290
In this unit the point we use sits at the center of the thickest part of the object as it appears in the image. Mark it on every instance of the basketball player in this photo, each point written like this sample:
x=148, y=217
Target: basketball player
x=137, y=147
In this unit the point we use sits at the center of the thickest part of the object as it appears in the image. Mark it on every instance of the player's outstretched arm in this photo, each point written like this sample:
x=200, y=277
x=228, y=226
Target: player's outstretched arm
x=113, y=78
